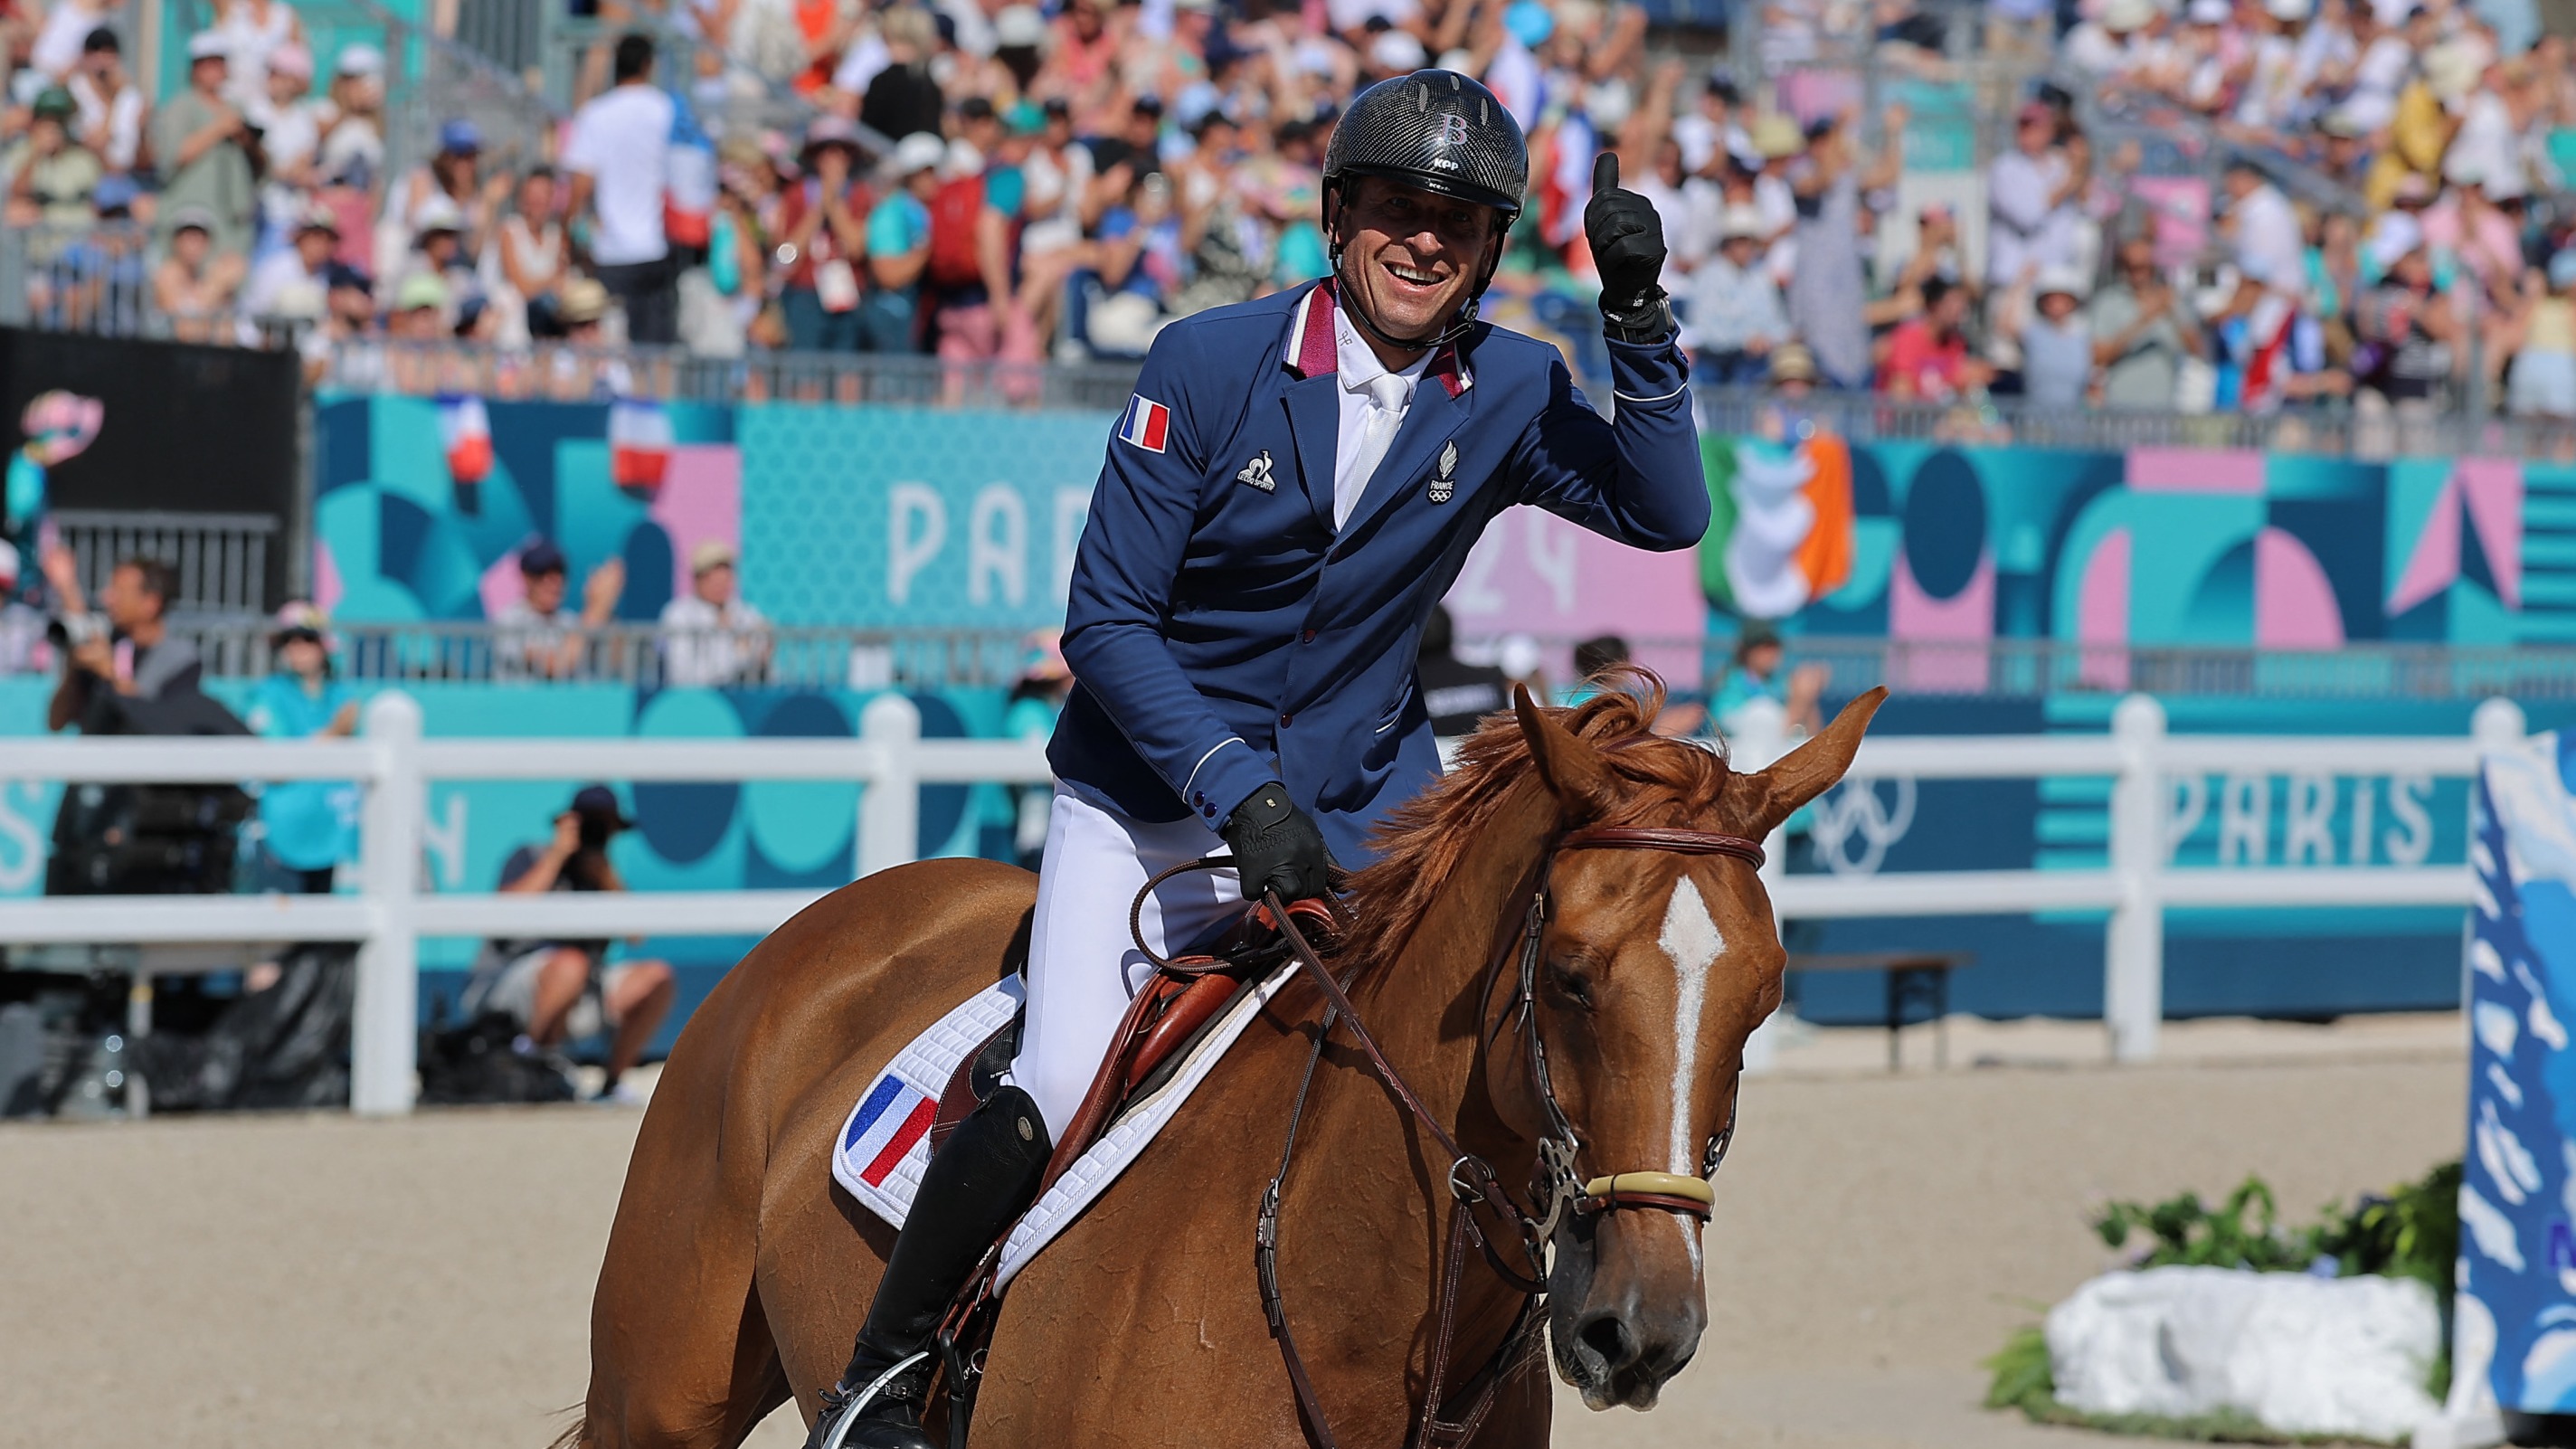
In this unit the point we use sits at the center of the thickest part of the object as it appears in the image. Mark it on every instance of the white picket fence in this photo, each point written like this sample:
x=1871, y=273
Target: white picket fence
x=891, y=761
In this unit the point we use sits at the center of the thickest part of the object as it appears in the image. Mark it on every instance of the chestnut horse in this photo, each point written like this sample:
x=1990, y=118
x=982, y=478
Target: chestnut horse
x=738, y=1271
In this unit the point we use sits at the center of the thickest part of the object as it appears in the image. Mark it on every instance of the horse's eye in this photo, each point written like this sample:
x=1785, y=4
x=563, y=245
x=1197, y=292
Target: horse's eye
x=1571, y=984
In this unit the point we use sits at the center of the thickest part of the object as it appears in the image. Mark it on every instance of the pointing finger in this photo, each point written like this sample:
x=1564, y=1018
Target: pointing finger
x=1605, y=172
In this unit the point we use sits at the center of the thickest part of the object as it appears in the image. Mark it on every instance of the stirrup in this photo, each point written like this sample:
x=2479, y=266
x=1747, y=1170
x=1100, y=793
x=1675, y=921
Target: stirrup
x=839, y=1432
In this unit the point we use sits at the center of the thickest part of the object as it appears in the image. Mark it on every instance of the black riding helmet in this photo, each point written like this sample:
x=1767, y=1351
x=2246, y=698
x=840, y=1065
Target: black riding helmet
x=1443, y=132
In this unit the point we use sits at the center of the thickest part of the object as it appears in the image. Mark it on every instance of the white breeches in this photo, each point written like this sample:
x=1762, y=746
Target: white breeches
x=1083, y=964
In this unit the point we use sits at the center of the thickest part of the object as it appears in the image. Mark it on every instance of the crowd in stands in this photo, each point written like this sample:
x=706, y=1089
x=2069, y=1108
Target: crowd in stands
x=987, y=181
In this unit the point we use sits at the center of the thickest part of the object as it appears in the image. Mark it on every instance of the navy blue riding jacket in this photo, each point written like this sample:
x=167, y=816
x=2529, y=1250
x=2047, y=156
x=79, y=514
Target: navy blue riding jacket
x=1223, y=634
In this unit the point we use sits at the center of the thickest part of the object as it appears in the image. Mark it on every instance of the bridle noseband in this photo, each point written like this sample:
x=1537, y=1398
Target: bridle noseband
x=1557, y=1189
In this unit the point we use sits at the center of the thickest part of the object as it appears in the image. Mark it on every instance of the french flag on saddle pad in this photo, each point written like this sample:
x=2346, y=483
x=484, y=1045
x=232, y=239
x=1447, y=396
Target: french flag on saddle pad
x=894, y=1115
x=1145, y=423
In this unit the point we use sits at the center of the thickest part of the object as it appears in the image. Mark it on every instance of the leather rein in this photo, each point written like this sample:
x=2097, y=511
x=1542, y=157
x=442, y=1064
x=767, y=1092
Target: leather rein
x=1557, y=1189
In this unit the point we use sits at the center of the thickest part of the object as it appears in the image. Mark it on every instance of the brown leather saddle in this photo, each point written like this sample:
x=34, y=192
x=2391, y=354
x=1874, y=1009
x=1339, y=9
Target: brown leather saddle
x=1162, y=1023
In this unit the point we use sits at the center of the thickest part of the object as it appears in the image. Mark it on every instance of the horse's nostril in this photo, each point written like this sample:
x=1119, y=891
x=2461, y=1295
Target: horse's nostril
x=1607, y=1335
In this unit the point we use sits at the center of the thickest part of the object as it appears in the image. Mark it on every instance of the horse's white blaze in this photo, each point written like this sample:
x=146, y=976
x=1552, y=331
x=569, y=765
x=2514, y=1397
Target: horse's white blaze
x=1690, y=938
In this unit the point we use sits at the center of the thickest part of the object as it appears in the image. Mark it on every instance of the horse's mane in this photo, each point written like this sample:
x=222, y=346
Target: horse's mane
x=1420, y=845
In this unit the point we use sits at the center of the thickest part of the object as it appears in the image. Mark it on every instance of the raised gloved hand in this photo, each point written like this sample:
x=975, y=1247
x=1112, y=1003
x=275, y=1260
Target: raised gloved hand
x=1628, y=250
x=1277, y=847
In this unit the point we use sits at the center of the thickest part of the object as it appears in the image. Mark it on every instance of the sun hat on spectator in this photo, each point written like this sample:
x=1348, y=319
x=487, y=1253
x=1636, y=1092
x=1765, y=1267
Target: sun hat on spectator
x=918, y=152
x=1792, y=362
x=2393, y=235
x=1739, y=223
x=54, y=104
x=2207, y=12
x=1024, y=118
x=317, y=217
x=2412, y=189
x=2452, y=68
x=1019, y=27
x=1398, y=51
x=827, y=131
x=460, y=137
x=2064, y=280
x=1608, y=104
x=208, y=45
x=1775, y=136
x=1529, y=22
x=114, y=195
x=2122, y=16
x=437, y=212
x=711, y=553
x=960, y=159
x=2342, y=123
x=291, y=59
x=301, y=619
x=359, y=60
x=192, y=217
x=583, y=301
x=421, y=291
x=2289, y=12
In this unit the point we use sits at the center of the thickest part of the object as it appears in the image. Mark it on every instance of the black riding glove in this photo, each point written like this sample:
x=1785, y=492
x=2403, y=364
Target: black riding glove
x=1628, y=250
x=1277, y=847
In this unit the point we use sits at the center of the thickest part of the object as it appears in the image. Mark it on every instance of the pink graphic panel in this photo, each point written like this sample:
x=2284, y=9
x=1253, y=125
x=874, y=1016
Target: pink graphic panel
x=327, y=588
x=1918, y=625
x=2294, y=605
x=2492, y=488
x=2195, y=470
x=1534, y=573
x=2102, y=613
x=700, y=499
x=502, y=586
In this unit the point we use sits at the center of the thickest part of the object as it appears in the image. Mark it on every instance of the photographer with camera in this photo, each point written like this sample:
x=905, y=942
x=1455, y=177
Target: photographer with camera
x=125, y=675
x=558, y=990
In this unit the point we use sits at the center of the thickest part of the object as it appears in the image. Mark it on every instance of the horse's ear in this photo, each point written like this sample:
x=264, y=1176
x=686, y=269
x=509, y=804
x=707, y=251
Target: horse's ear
x=1764, y=798
x=1574, y=771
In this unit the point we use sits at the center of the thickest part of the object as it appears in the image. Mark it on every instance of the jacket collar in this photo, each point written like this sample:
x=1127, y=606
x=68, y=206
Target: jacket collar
x=1310, y=351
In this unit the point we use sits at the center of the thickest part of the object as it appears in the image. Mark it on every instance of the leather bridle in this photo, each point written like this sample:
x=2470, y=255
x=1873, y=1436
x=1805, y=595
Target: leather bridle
x=1557, y=1187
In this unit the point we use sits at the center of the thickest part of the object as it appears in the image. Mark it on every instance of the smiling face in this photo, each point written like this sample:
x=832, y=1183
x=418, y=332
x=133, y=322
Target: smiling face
x=1413, y=256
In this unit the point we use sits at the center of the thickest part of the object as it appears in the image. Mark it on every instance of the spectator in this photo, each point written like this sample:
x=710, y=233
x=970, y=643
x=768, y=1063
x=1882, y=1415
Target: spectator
x=2543, y=343
x=111, y=104
x=1457, y=695
x=1037, y=697
x=292, y=284
x=711, y=637
x=2142, y=332
x=193, y=287
x=904, y=98
x=252, y=31
x=197, y=139
x=124, y=672
x=353, y=145
x=2406, y=333
x=823, y=227
x=1756, y=682
x=968, y=270
x=56, y=49
x=1591, y=658
x=50, y=175
x=1927, y=356
x=532, y=256
x=898, y=238
x=440, y=250
x=1828, y=289
x=536, y=635
x=308, y=827
x=559, y=991
x=1736, y=316
x=2272, y=273
x=2031, y=192
x=618, y=155
x=449, y=190
x=2057, y=344
x=290, y=141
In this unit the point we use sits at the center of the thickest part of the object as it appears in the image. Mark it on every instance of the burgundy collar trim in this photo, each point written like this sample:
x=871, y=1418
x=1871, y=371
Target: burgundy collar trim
x=1311, y=351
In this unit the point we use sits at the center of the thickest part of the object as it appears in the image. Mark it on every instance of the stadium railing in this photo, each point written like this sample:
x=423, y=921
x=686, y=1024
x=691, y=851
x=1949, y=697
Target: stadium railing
x=393, y=763
x=864, y=659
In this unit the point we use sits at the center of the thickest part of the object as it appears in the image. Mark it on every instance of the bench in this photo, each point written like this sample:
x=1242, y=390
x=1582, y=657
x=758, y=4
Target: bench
x=1914, y=978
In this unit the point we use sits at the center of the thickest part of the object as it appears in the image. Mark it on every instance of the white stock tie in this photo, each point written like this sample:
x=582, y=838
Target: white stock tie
x=1387, y=397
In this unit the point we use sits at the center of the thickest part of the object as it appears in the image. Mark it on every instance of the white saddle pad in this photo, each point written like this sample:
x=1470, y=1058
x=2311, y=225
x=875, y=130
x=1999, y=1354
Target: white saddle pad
x=886, y=1142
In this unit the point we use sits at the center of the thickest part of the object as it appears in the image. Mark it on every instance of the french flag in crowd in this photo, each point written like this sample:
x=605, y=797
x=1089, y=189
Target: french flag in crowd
x=894, y=1117
x=1146, y=423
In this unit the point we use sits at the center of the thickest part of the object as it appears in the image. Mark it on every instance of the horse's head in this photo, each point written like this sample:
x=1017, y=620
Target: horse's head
x=1653, y=969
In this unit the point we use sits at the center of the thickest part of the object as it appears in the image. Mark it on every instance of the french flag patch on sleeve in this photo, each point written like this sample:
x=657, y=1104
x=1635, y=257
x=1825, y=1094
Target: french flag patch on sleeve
x=893, y=1117
x=1145, y=423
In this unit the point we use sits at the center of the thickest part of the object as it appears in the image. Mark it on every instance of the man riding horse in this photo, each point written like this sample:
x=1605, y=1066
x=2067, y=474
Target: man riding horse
x=1293, y=487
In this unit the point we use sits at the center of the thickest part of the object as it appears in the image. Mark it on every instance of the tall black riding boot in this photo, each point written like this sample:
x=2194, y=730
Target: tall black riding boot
x=982, y=1178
